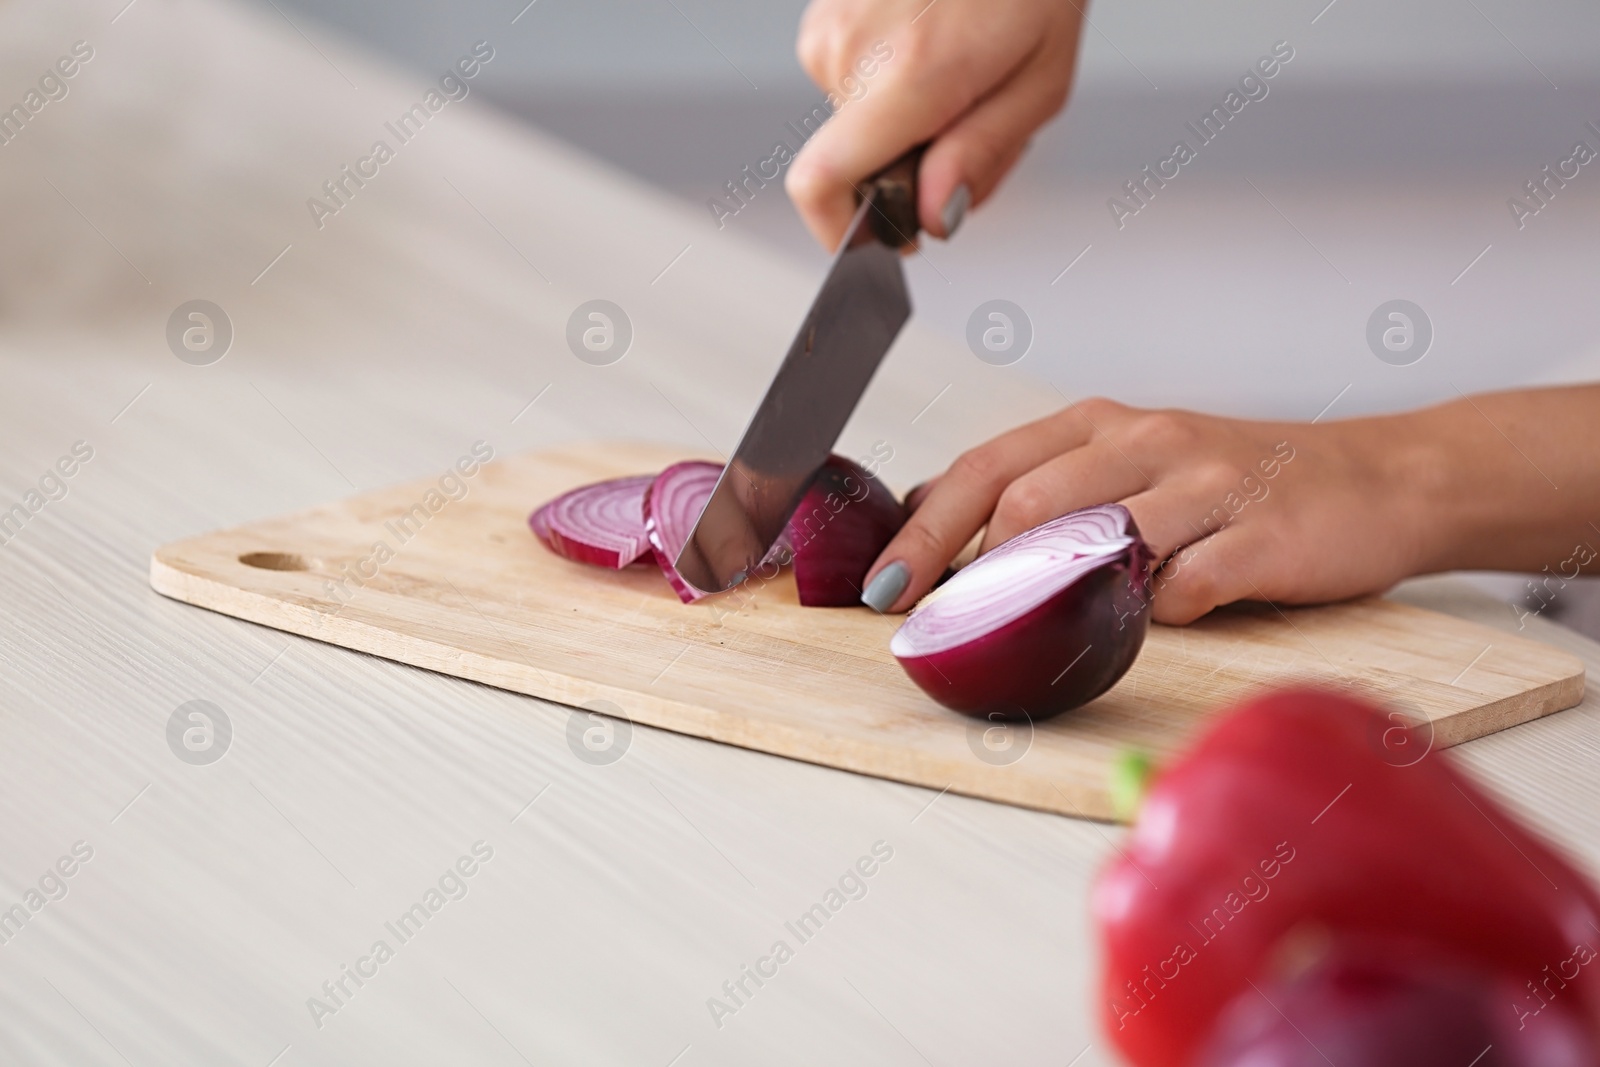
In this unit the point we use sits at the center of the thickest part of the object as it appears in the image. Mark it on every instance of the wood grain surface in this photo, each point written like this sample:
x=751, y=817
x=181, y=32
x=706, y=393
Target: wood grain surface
x=444, y=574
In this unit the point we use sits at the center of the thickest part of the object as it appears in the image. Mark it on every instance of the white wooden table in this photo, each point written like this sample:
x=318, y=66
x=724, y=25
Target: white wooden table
x=425, y=316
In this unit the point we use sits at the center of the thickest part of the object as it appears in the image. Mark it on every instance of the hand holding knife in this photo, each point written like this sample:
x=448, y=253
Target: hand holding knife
x=843, y=338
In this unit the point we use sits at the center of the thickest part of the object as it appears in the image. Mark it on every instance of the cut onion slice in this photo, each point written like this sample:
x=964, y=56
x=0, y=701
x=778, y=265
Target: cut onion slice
x=843, y=522
x=601, y=523
x=672, y=503
x=1039, y=625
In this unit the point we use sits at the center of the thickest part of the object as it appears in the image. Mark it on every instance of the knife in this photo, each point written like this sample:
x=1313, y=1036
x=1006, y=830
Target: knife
x=852, y=322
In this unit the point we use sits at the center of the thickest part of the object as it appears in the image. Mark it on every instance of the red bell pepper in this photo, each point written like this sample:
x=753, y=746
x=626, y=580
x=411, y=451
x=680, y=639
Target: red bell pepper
x=1292, y=815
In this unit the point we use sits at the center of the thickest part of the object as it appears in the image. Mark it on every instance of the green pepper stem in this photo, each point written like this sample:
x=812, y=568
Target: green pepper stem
x=1131, y=774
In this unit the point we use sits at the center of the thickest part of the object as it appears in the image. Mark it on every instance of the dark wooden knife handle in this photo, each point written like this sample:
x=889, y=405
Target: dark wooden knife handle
x=894, y=197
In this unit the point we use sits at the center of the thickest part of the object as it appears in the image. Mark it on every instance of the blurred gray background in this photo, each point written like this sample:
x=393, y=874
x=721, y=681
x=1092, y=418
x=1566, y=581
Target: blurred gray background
x=1378, y=167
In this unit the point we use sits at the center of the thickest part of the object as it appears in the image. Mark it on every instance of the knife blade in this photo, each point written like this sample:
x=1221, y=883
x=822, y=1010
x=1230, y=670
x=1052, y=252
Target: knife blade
x=857, y=313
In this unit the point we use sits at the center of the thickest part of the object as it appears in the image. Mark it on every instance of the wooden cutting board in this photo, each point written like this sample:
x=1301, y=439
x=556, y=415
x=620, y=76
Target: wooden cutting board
x=425, y=575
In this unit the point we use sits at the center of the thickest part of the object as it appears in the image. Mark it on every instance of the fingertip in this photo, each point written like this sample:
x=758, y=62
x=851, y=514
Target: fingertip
x=898, y=579
x=955, y=209
x=1207, y=574
x=1173, y=609
x=983, y=145
x=1178, y=593
x=944, y=193
x=884, y=590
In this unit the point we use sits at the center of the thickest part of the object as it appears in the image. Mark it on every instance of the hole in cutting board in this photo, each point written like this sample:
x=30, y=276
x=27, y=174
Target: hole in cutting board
x=275, y=561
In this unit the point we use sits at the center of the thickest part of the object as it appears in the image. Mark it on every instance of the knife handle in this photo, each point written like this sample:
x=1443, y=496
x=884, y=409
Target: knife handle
x=894, y=195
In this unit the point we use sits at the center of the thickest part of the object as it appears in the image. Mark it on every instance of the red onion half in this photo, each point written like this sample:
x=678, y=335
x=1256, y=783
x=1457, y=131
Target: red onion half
x=845, y=519
x=1039, y=625
x=601, y=523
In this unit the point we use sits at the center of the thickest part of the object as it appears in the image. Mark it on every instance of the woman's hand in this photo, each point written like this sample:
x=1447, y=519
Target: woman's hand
x=976, y=77
x=1287, y=512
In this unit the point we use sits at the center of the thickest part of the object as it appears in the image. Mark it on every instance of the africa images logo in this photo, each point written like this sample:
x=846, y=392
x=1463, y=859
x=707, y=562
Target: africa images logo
x=199, y=733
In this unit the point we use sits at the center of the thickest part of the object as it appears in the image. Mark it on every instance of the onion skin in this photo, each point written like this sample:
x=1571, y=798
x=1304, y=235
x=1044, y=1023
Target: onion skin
x=1059, y=656
x=843, y=522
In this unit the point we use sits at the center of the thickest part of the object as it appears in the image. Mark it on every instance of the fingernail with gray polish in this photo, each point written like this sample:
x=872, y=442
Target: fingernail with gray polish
x=886, y=587
x=955, y=209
